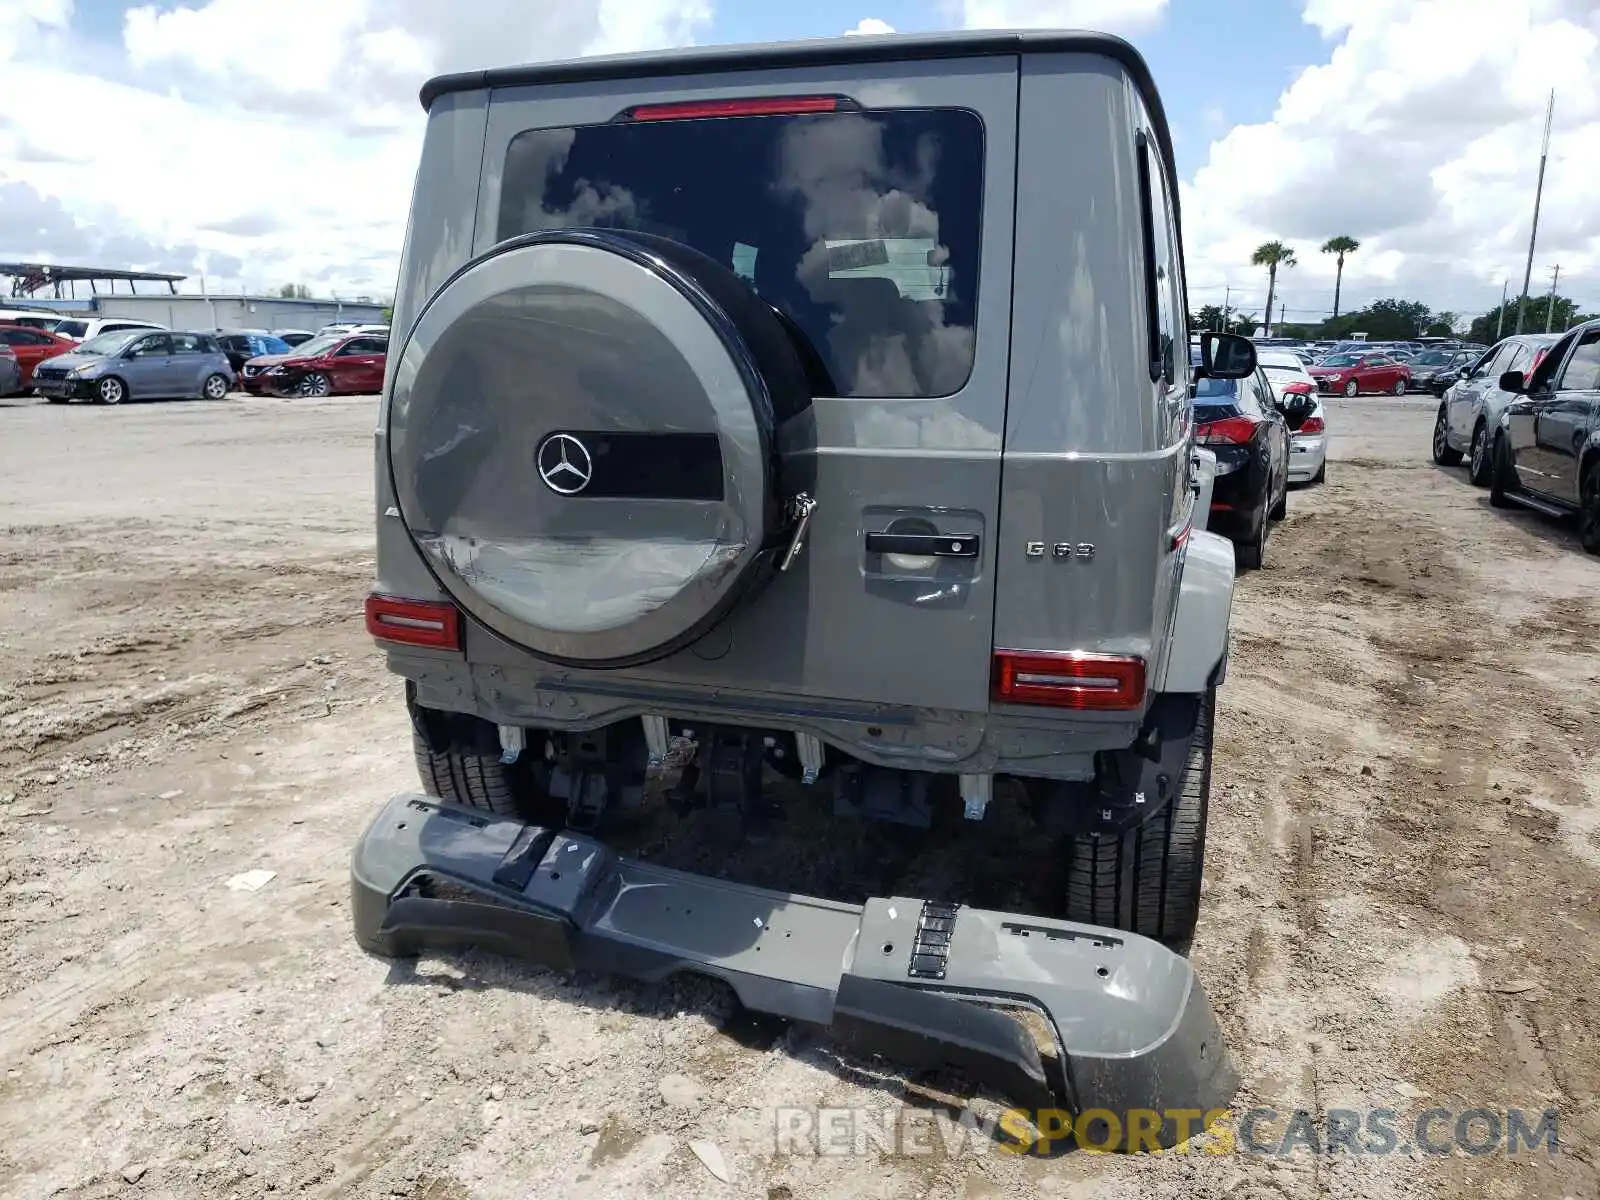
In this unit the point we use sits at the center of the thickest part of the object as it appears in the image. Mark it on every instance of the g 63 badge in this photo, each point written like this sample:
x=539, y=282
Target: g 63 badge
x=1082, y=551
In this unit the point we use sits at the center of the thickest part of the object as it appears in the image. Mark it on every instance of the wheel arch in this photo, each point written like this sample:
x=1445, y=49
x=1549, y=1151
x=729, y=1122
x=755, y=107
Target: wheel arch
x=1198, y=646
x=1588, y=459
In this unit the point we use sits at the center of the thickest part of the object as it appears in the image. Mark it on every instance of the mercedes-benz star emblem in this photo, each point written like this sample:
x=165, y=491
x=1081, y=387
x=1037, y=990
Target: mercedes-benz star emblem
x=565, y=464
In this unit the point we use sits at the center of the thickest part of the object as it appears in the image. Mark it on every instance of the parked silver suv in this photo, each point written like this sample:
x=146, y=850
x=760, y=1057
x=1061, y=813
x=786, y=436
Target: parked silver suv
x=1471, y=408
x=799, y=402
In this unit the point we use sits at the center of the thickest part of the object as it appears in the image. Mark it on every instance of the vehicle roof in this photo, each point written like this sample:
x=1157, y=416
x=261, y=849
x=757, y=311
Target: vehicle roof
x=822, y=52
x=1282, y=358
x=163, y=329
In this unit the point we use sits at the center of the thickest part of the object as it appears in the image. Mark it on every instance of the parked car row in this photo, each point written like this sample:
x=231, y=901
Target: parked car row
x=143, y=361
x=1352, y=368
x=1526, y=417
x=1267, y=431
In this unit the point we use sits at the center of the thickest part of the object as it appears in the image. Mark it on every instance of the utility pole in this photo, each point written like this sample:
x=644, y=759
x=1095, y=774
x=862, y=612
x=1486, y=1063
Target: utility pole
x=1500, y=325
x=1550, y=305
x=1227, y=305
x=1538, y=197
x=1282, y=308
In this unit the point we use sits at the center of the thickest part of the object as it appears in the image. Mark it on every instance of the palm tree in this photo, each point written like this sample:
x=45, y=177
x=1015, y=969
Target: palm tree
x=1272, y=255
x=1341, y=246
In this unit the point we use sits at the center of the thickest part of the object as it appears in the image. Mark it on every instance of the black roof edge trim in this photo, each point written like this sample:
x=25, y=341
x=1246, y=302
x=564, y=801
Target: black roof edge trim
x=822, y=52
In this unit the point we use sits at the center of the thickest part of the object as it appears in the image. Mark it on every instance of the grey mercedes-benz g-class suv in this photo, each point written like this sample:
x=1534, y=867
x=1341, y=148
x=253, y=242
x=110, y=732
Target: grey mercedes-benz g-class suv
x=824, y=408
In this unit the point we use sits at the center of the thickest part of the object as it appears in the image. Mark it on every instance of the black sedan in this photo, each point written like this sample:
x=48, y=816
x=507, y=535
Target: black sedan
x=1435, y=370
x=1238, y=421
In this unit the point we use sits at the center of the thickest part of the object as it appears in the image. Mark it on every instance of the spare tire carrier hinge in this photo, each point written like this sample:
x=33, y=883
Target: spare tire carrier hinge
x=800, y=509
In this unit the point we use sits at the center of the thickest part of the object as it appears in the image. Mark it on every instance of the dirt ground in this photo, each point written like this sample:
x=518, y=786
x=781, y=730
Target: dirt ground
x=1401, y=901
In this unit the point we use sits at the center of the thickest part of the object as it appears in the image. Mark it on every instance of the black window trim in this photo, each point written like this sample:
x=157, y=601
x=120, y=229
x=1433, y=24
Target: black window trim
x=1147, y=221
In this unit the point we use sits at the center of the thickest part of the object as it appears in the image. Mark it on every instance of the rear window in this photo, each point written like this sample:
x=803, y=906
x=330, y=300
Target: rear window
x=863, y=228
x=1215, y=393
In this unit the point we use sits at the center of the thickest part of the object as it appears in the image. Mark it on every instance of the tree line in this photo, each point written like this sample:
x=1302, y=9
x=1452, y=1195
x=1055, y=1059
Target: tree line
x=1383, y=320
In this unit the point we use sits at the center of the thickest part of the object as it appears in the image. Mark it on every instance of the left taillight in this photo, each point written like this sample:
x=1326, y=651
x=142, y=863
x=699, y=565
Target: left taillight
x=1230, y=431
x=1312, y=425
x=1068, y=680
x=414, y=622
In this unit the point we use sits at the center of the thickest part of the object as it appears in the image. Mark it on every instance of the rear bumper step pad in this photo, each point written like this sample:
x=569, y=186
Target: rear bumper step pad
x=916, y=982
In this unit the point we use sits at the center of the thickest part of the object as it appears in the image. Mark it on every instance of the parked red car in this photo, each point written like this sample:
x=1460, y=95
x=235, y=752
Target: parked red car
x=32, y=346
x=1351, y=374
x=338, y=364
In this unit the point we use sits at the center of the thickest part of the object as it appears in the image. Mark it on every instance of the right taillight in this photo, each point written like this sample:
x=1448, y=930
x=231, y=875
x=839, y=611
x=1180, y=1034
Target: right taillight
x=1312, y=425
x=1068, y=680
x=414, y=622
x=1231, y=431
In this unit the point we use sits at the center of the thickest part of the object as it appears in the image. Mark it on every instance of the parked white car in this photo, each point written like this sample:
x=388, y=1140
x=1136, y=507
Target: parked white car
x=1296, y=393
x=81, y=329
x=33, y=318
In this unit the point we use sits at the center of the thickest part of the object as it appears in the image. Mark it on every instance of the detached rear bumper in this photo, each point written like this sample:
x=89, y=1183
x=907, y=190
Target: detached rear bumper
x=900, y=977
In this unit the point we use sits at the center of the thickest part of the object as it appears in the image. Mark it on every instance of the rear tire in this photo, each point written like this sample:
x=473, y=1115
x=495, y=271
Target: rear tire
x=214, y=388
x=1147, y=881
x=458, y=760
x=1322, y=473
x=1502, y=475
x=1589, y=510
x=1400, y=387
x=1444, y=453
x=1249, y=556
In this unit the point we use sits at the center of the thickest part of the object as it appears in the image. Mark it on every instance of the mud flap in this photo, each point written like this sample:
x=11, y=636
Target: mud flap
x=925, y=985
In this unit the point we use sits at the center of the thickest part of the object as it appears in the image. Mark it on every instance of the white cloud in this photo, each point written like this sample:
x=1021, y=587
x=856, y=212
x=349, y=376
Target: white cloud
x=1106, y=16
x=1419, y=136
x=868, y=26
x=260, y=151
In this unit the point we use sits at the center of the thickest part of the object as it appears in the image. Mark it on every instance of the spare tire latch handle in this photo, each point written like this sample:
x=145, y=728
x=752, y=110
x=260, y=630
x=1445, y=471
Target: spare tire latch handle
x=800, y=510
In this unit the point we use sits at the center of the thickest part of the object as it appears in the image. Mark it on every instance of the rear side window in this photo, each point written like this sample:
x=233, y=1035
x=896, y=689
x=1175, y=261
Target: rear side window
x=863, y=228
x=72, y=328
x=186, y=343
x=1161, y=273
x=1493, y=363
x=1215, y=393
x=1582, y=372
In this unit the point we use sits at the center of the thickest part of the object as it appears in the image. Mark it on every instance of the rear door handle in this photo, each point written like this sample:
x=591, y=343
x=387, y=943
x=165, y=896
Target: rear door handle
x=929, y=545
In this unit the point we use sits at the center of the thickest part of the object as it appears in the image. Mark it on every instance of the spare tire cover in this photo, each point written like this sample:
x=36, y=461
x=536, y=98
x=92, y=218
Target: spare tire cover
x=580, y=442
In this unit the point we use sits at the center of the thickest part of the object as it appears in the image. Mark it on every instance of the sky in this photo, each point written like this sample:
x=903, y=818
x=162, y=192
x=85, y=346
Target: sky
x=261, y=143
